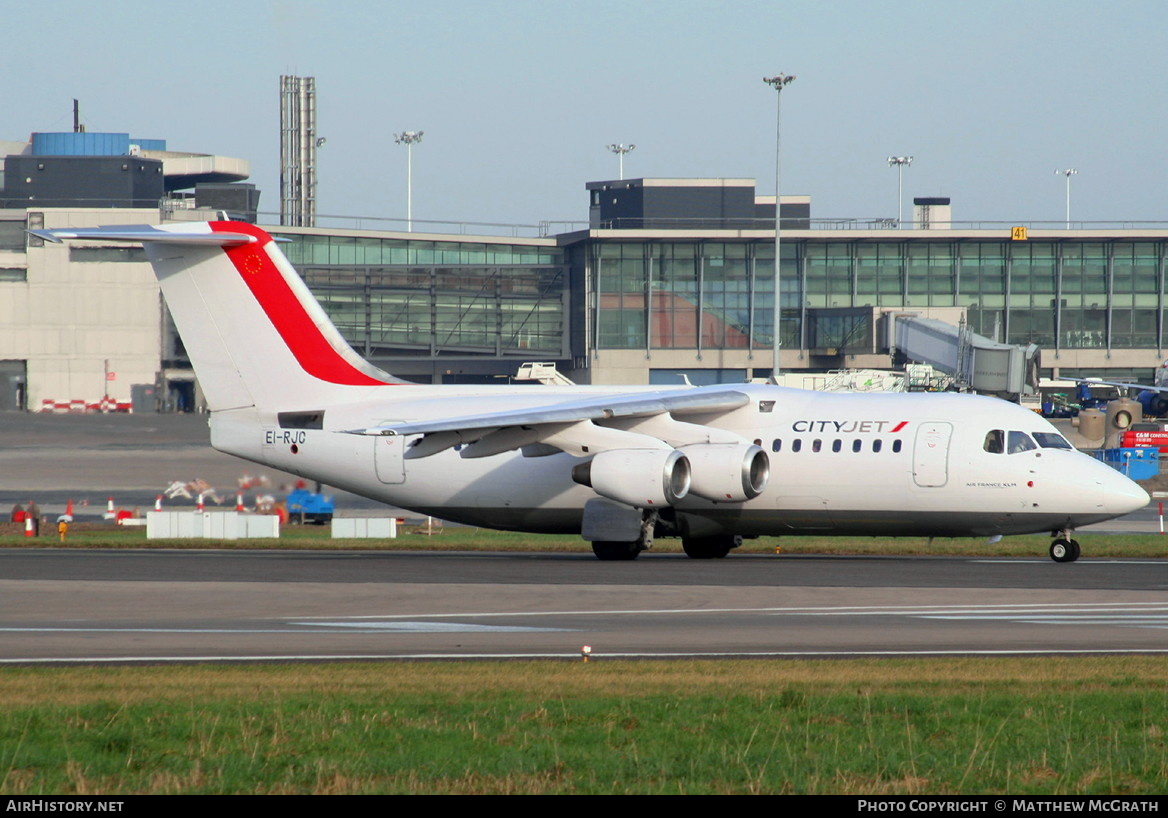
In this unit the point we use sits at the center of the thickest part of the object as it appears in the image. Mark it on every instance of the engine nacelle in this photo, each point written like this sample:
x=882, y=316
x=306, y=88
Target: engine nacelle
x=728, y=473
x=643, y=478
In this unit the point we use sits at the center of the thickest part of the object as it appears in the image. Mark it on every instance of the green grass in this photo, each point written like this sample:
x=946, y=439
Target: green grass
x=1021, y=726
x=457, y=538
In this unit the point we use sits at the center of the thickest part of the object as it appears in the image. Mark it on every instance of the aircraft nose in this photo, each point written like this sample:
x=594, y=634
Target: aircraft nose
x=1123, y=496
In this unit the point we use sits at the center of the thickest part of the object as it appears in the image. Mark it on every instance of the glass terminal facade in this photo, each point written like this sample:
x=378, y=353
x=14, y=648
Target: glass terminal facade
x=661, y=302
x=715, y=293
x=408, y=298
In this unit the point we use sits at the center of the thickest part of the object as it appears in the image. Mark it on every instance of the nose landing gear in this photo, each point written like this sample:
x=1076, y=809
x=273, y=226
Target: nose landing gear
x=1064, y=549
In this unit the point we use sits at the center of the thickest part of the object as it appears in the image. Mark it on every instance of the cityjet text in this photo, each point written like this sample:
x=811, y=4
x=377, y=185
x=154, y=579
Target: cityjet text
x=848, y=426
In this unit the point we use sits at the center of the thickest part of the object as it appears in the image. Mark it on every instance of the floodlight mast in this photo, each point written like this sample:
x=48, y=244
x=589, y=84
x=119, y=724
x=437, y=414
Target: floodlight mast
x=900, y=163
x=1069, y=172
x=778, y=82
x=620, y=151
x=408, y=138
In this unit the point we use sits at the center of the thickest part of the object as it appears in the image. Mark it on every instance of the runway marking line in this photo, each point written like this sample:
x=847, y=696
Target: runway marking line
x=1125, y=614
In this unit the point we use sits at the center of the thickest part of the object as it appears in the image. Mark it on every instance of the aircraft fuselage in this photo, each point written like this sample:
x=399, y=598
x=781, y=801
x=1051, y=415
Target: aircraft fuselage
x=897, y=464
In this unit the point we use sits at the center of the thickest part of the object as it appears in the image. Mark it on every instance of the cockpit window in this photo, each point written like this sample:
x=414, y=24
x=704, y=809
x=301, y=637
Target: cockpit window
x=1052, y=440
x=995, y=441
x=1020, y=442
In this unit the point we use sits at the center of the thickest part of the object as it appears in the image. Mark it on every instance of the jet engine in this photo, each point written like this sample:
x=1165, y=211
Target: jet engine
x=643, y=478
x=728, y=473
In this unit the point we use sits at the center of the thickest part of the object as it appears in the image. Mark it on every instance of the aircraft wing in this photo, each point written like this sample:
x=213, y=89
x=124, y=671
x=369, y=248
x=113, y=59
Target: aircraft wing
x=582, y=426
x=1144, y=387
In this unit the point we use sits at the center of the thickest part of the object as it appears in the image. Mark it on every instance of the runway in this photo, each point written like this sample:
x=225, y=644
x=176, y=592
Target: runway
x=159, y=606
x=165, y=606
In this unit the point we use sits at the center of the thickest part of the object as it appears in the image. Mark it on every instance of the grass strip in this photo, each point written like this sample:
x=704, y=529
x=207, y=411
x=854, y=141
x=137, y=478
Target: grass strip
x=1009, y=725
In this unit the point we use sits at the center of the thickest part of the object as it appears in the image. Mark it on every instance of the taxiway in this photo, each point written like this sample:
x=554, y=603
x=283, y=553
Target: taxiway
x=162, y=606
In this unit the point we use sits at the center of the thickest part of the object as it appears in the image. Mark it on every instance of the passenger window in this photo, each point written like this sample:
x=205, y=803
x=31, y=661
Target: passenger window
x=857, y=444
x=995, y=441
x=777, y=446
x=876, y=445
x=1052, y=440
x=896, y=445
x=816, y=445
x=1020, y=442
x=836, y=445
x=796, y=444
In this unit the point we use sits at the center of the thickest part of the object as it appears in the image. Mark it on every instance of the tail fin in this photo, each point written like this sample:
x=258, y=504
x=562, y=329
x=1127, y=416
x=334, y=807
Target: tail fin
x=253, y=331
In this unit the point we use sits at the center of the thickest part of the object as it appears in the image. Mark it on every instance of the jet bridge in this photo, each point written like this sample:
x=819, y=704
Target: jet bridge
x=974, y=361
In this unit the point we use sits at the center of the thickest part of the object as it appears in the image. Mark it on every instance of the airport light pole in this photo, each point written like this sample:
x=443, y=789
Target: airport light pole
x=899, y=162
x=1069, y=172
x=408, y=138
x=620, y=151
x=778, y=82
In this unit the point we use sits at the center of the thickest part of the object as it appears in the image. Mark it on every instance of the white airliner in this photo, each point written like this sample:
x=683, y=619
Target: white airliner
x=1153, y=398
x=617, y=465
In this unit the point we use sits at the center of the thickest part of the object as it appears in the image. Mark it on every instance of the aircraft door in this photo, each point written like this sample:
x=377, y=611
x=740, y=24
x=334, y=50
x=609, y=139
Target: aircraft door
x=931, y=454
x=389, y=458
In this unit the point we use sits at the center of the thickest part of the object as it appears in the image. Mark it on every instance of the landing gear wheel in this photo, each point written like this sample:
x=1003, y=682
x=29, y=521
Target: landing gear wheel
x=709, y=548
x=1062, y=550
x=615, y=550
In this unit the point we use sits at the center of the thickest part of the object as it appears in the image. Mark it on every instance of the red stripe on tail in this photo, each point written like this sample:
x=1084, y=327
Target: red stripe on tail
x=282, y=306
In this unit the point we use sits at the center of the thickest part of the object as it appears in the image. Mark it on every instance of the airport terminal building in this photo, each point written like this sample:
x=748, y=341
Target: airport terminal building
x=676, y=276
x=667, y=277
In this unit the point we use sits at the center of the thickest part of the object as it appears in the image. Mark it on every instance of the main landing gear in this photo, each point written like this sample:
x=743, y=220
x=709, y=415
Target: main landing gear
x=1064, y=549
x=616, y=550
x=698, y=548
x=710, y=548
x=612, y=550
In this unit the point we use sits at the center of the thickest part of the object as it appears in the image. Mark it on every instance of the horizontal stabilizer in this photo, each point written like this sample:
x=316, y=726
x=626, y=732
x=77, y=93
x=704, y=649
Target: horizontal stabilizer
x=146, y=233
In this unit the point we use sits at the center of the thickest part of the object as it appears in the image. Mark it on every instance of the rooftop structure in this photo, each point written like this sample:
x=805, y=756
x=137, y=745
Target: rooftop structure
x=83, y=169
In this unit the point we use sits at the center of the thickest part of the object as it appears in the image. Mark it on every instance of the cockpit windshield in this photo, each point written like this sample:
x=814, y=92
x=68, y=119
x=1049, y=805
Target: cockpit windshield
x=1052, y=440
x=995, y=441
x=1020, y=442
x=1001, y=441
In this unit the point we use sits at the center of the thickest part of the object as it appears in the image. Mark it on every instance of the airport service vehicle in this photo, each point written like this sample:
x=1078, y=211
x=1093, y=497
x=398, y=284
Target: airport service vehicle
x=619, y=465
x=309, y=507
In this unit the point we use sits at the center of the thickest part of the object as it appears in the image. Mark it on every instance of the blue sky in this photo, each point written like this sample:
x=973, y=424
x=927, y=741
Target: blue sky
x=518, y=99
